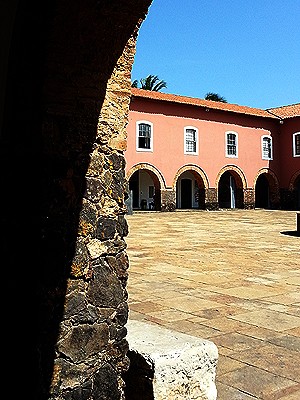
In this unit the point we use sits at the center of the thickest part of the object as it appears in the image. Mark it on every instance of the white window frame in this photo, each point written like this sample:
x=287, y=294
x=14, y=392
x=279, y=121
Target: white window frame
x=227, y=133
x=294, y=144
x=138, y=136
x=186, y=151
x=263, y=155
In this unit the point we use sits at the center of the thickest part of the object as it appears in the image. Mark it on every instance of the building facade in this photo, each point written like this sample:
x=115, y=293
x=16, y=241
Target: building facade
x=189, y=153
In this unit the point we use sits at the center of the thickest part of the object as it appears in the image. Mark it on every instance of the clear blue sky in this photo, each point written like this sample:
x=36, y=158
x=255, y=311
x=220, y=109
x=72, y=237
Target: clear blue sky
x=247, y=51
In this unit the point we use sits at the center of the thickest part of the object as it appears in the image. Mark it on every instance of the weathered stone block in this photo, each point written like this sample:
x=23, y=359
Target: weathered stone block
x=169, y=365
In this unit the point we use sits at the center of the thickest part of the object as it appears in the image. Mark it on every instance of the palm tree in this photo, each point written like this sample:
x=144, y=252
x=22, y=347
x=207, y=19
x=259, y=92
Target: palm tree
x=151, y=82
x=215, y=97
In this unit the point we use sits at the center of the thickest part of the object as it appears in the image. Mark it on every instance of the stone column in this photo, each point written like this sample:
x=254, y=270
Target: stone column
x=211, y=199
x=249, y=201
x=91, y=345
x=168, y=200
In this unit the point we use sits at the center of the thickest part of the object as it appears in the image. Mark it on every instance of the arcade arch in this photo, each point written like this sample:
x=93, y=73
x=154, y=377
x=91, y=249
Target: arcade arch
x=266, y=188
x=145, y=184
x=190, y=184
x=231, y=183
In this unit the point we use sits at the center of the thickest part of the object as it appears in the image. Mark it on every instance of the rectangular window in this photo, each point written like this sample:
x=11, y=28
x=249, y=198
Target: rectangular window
x=144, y=138
x=296, y=144
x=190, y=141
x=266, y=148
x=231, y=144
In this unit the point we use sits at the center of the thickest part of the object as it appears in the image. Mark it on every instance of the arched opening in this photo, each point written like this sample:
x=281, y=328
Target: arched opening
x=145, y=190
x=230, y=190
x=190, y=191
x=262, y=192
x=266, y=191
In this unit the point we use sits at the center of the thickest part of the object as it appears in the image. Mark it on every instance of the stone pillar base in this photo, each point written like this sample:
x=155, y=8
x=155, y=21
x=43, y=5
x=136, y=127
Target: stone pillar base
x=212, y=206
x=168, y=200
x=211, y=199
x=167, y=365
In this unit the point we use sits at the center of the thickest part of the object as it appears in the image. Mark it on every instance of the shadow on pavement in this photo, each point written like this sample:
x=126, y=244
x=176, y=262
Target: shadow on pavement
x=291, y=233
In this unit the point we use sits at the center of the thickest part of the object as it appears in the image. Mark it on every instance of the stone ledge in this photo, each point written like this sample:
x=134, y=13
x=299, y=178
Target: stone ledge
x=167, y=365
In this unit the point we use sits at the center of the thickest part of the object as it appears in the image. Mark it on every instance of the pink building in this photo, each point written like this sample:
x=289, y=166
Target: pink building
x=185, y=152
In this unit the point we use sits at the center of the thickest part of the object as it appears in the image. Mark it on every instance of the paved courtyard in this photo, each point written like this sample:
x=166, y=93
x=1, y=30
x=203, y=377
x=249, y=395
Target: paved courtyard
x=232, y=277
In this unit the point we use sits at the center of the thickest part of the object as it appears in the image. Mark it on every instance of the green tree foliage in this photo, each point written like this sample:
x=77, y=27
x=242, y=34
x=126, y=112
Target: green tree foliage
x=215, y=97
x=151, y=82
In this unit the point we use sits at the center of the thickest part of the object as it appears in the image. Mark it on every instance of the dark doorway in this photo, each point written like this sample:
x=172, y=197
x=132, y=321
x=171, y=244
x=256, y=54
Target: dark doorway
x=145, y=188
x=262, y=192
x=186, y=193
x=227, y=191
x=134, y=186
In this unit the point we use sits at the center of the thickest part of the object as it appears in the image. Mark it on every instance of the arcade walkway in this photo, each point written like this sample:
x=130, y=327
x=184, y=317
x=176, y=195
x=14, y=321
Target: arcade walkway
x=232, y=277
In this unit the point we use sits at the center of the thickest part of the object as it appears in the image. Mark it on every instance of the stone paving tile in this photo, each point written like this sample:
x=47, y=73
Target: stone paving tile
x=258, y=332
x=147, y=307
x=227, y=364
x=184, y=326
x=225, y=351
x=170, y=315
x=189, y=304
x=225, y=392
x=287, y=298
x=226, y=325
x=237, y=341
x=292, y=310
x=294, y=332
x=257, y=382
x=204, y=332
x=291, y=396
x=272, y=358
x=254, y=292
x=286, y=341
x=266, y=318
x=219, y=311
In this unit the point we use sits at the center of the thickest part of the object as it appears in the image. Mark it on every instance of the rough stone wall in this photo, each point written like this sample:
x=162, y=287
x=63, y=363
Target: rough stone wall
x=211, y=199
x=249, y=201
x=168, y=200
x=92, y=345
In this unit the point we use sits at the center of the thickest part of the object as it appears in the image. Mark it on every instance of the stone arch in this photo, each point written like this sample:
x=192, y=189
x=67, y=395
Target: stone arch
x=294, y=180
x=144, y=178
x=196, y=185
x=236, y=170
x=148, y=167
x=194, y=168
x=231, y=184
x=266, y=189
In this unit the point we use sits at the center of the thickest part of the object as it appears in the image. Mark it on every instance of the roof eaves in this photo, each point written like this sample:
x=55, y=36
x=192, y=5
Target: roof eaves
x=206, y=104
x=275, y=115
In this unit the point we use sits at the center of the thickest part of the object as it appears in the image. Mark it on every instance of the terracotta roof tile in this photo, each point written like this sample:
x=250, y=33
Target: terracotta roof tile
x=217, y=105
x=283, y=112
